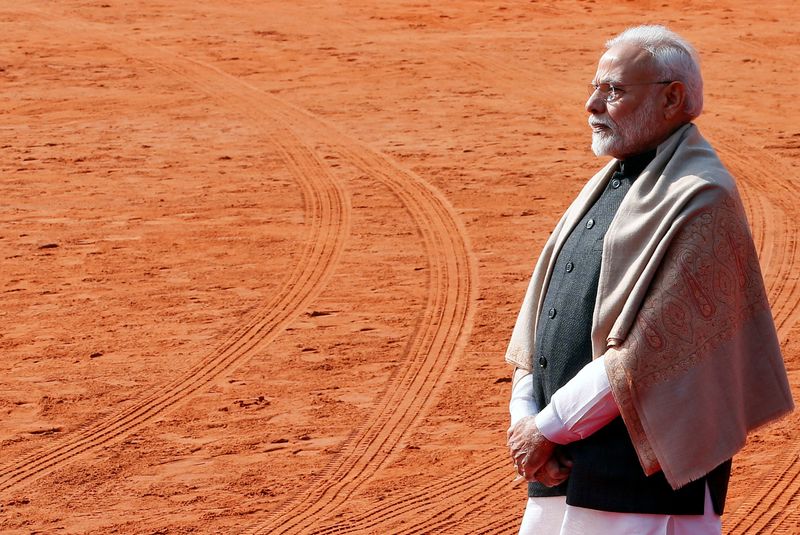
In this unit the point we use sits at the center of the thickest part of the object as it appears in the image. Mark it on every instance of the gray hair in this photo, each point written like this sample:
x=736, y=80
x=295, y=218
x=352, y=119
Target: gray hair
x=674, y=57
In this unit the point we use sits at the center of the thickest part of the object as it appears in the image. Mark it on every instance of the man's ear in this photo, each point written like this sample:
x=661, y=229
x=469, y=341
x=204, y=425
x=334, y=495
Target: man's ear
x=674, y=100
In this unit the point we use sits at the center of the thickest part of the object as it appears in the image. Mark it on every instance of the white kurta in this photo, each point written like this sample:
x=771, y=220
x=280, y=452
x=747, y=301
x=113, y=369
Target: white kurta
x=576, y=410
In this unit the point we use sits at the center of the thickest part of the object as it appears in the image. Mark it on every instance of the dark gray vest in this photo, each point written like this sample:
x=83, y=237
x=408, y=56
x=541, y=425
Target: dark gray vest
x=606, y=474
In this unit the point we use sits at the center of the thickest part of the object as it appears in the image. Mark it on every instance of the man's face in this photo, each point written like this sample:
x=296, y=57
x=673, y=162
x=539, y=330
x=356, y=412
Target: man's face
x=632, y=123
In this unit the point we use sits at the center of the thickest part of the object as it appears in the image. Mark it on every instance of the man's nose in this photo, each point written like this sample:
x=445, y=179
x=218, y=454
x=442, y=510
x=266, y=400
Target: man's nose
x=595, y=104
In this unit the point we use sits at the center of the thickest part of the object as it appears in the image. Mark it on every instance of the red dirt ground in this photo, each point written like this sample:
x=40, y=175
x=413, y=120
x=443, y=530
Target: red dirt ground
x=261, y=259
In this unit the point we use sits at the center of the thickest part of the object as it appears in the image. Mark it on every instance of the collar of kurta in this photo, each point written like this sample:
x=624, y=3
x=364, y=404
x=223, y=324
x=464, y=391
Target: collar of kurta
x=681, y=313
x=633, y=166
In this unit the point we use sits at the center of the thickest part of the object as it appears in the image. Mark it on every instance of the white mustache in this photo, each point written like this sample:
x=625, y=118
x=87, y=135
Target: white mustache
x=593, y=122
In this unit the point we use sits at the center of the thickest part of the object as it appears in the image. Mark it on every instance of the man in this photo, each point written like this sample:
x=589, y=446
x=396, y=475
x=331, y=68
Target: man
x=645, y=349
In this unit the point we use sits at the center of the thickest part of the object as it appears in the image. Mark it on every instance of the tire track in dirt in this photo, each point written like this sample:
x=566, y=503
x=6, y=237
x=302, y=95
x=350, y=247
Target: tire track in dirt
x=754, y=208
x=461, y=492
x=486, y=517
x=412, y=506
x=443, y=326
x=773, y=507
x=328, y=214
x=458, y=511
x=448, y=313
x=428, y=500
x=443, y=506
x=442, y=332
x=445, y=321
x=501, y=527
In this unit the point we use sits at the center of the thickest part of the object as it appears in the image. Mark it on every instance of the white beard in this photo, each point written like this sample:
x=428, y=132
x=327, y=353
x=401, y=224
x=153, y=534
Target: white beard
x=626, y=137
x=603, y=142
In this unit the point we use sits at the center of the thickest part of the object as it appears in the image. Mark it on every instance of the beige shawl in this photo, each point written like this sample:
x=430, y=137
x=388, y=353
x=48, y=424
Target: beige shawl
x=681, y=313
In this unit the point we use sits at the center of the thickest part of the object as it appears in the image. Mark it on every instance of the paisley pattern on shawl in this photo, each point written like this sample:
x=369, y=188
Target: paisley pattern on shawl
x=708, y=293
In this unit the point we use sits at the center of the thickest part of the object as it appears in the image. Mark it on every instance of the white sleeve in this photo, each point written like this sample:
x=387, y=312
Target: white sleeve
x=580, y=407
x=522, y=403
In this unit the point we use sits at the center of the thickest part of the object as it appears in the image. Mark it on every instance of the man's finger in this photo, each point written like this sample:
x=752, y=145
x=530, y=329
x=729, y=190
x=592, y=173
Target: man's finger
x=563, y=457
x=552, y=472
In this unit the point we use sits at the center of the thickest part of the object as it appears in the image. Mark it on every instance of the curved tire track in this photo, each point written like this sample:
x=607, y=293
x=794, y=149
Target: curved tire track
x=429, y=500
x=328, y=213
x=443, y=329
x=443, y=326
x=773, y=507
x=446, y=319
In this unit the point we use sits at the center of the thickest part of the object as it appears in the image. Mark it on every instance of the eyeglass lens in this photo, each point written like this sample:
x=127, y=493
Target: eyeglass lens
x=607, y=91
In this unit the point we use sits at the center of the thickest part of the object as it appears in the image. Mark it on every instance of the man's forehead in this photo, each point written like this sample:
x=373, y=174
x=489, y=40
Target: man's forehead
x=624, y=63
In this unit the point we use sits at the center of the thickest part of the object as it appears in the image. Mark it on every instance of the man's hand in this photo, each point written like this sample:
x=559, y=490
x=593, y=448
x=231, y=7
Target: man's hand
x=556, y=470
x=533, y=454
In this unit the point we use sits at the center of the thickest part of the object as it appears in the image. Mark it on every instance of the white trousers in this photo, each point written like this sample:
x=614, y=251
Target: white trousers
x=552, y=516
x=543, y=516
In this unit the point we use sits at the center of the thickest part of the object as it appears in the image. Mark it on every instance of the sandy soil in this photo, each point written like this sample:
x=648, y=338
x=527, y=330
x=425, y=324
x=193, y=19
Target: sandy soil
x=261, y=259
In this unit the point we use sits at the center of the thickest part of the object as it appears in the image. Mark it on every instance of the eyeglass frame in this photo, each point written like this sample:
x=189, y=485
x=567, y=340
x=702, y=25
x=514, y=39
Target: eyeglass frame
x=615, y=92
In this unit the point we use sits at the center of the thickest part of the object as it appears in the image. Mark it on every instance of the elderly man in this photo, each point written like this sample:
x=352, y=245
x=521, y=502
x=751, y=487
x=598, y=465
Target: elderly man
x=645, y=349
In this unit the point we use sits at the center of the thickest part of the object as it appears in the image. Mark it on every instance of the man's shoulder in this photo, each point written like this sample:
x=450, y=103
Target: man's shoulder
x=696, y=163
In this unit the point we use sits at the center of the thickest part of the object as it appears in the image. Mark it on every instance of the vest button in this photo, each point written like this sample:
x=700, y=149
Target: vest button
x=569, y=267
x=552, y=313
x=590, y=223
x=542, y=361
x=615, y=183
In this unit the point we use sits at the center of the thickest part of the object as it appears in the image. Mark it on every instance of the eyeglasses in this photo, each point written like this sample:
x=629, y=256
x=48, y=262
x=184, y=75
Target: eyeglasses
x=610, y=92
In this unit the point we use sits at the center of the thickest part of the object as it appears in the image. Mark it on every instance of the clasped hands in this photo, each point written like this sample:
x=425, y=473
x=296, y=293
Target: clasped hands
x=535, y=457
